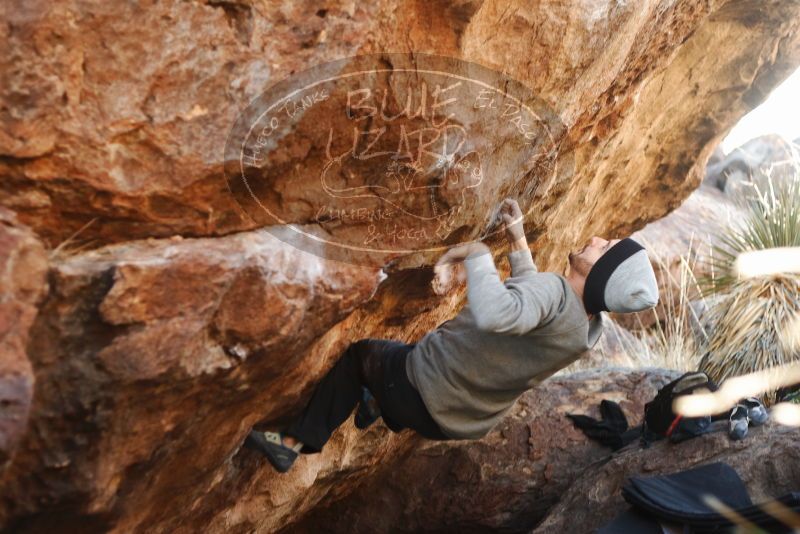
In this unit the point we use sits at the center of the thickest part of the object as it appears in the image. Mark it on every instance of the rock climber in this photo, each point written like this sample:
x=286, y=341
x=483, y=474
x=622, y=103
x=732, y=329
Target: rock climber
x=460, y=379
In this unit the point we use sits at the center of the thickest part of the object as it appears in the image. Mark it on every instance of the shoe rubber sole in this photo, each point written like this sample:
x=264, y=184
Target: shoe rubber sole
x=279, y=456
x=367, y=411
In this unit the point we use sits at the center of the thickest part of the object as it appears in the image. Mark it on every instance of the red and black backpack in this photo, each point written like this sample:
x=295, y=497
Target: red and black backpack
x=660, y=421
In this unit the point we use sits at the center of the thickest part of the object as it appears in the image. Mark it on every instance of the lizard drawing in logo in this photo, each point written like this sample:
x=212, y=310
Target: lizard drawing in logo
x=420, y=173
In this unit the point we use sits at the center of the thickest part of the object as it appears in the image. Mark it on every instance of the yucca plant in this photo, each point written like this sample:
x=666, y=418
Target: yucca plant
x=793, y=397
x=772, y=219
x=751, y=315
x=749, y=323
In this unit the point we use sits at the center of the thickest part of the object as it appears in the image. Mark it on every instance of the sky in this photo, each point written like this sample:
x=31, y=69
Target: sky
x=780, y=113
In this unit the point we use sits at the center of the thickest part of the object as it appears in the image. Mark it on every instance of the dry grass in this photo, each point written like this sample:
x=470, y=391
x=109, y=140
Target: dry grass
x=671, y=343
x=71, y=246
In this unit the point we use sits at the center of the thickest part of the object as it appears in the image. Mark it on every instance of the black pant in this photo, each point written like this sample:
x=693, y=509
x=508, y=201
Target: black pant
x=380, y=365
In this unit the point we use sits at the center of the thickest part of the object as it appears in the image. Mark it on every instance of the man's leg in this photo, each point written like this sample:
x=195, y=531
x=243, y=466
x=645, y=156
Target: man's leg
x=378, y=364
x=401, y=404
x=331, y=403
x=334, y=398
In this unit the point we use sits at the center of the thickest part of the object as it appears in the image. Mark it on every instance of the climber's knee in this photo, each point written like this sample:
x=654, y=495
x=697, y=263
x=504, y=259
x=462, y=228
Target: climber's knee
x=371, y=366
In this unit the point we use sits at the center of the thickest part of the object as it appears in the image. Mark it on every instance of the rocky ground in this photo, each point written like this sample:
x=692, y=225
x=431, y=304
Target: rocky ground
x=766, y=460
x=507, y=481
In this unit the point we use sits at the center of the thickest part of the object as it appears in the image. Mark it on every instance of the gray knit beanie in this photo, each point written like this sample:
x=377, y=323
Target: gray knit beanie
x=621, y=280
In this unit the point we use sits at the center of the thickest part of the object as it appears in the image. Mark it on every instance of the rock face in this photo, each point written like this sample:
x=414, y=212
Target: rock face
x=145, y=351
x=23, y=267
x=169, y=323
x=119, y=115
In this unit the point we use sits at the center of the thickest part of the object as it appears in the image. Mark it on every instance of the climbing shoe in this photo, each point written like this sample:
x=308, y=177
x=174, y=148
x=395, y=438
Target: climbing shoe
x=368, y=411
x=756, y=411
x=270, y=444
x=737, y=426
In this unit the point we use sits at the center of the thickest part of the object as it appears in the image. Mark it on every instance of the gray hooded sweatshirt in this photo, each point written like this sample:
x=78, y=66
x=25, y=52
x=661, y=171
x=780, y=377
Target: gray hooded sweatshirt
x=509, y=337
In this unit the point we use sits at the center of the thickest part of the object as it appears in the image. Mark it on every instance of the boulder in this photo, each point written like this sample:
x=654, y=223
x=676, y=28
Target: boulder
x=768, y=155
x=505, y=482
x=104, y=136
x=767, y=460
x=154, y=358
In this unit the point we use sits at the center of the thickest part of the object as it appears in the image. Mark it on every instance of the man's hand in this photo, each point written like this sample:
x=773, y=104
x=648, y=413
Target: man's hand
x=448, y=270
x=510, y=215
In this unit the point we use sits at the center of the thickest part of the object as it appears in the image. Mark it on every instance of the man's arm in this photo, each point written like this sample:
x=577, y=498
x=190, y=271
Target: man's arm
x=520, y=256
x=444, y=272
x=515, y=307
